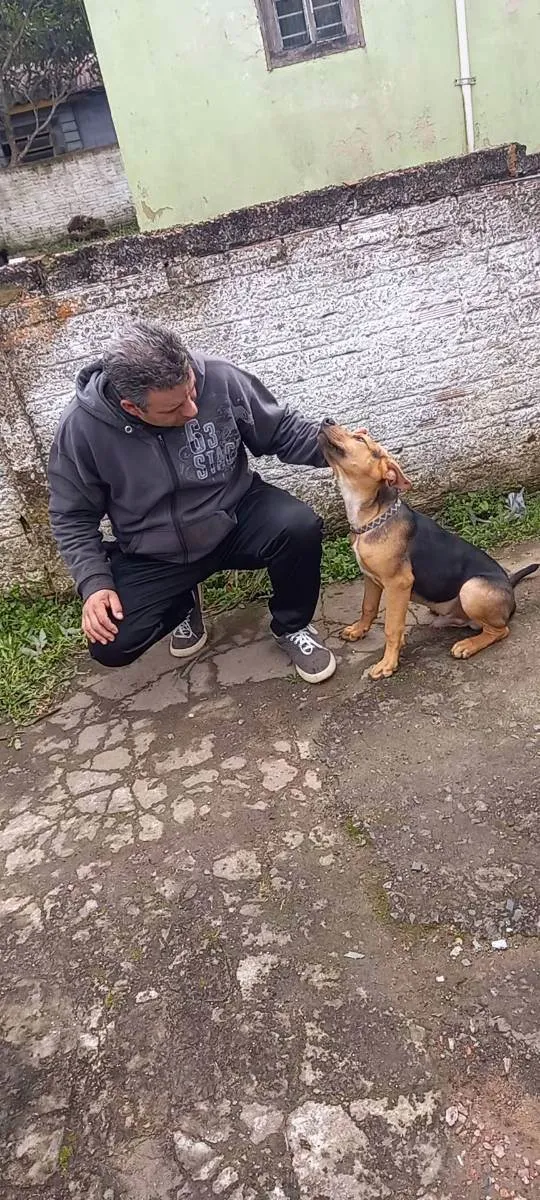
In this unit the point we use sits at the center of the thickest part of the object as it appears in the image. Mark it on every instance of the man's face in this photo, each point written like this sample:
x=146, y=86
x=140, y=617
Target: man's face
x=170, y=407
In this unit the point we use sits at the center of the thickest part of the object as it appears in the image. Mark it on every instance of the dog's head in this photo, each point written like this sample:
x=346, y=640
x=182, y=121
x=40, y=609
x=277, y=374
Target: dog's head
x=358, y=461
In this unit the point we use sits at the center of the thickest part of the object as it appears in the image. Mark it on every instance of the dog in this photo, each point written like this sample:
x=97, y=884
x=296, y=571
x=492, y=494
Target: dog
x=408, y=556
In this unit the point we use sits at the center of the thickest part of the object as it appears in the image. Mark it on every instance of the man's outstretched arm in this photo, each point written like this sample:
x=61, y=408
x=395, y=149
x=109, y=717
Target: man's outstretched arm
x=275, y=428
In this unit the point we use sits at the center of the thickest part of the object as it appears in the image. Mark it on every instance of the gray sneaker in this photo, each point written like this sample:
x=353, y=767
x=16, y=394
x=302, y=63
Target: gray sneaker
x=311, y=659
x=190, y=635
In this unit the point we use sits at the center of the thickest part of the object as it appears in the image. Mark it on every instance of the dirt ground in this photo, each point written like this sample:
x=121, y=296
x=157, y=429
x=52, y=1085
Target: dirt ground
x=249, y=929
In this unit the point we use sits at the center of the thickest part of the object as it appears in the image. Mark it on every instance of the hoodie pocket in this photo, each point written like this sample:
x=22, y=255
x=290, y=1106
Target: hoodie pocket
x=199, y=537
x=203, y=535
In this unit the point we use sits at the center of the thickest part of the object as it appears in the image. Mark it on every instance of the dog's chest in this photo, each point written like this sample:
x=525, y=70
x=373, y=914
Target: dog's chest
x=363, y=566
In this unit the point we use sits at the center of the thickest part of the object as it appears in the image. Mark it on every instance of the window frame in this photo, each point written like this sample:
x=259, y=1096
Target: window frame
x=44, y=147
x=276, y=56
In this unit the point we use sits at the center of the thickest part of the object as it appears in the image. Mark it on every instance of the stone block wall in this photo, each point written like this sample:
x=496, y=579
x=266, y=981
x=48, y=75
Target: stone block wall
x=37, y=201
x=419, y=320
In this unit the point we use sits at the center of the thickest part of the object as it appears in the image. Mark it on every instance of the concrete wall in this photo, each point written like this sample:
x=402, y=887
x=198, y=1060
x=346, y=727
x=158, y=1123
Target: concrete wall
x=19, y=555
x=37, y=201
x=504, y=38
x=419, y=320
x=220, y=131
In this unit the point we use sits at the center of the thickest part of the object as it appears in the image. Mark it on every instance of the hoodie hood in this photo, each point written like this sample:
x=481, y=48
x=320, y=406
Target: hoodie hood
x=95, y=393
x=91, y=393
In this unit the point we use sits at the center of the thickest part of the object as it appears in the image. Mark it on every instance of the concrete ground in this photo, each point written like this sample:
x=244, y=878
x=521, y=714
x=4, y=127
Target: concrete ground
x=249, y=928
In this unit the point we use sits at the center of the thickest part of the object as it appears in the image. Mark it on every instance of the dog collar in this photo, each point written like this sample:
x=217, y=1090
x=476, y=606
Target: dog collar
x=378, y=521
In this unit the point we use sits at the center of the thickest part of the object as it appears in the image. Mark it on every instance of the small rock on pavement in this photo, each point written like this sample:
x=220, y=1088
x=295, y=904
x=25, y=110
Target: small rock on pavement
x=451, y=1115
x=197, y=1158
x=146, y=997
x=261, y=1120
x=242, y=864
x=499, y=944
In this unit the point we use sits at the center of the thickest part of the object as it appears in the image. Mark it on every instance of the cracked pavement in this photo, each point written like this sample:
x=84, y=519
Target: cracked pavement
x=247, y=925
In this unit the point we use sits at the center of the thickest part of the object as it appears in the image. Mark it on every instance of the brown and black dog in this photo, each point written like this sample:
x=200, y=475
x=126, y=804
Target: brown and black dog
x=406, y=554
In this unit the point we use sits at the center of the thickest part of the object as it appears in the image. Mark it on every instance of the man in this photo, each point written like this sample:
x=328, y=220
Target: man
x=156, y=438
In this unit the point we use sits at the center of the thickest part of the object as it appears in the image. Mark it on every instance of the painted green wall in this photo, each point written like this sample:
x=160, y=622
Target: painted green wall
x=504, y=38
x=204, y=127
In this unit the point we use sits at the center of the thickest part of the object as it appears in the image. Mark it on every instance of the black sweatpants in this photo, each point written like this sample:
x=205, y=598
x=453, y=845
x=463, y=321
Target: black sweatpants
x=274, y=530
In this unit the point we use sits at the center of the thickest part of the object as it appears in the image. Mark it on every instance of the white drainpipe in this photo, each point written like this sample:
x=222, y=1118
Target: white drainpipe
x=466, y=80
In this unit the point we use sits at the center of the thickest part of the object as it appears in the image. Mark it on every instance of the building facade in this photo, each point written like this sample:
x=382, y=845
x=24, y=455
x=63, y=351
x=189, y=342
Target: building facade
x=229, y=105
x=71, y=166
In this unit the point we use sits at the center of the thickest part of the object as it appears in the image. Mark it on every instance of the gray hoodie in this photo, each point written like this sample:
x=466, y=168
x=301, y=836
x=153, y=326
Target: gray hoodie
x=169, y=493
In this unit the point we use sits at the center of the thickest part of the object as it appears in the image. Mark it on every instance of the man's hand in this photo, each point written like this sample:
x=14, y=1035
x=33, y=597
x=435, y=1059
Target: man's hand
x=96, y=616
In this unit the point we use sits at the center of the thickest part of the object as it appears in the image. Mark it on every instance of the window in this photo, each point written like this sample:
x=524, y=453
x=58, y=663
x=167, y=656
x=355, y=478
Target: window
x=60, y=136
x=67, y=130
x=294, y=30
x=24, y=124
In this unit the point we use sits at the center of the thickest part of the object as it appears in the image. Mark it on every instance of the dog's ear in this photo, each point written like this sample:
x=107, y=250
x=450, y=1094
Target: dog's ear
x=395, y=476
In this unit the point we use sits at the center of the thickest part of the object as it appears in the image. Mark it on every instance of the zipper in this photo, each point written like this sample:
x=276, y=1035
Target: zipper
x=174, y=482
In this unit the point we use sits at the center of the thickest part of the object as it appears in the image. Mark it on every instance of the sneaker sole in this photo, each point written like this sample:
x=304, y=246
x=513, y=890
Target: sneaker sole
x=193, y=650
x=320, y=676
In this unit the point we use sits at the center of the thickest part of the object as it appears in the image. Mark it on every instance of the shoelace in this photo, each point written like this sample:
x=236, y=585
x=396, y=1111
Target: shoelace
x=304, y=640
x=184, y=628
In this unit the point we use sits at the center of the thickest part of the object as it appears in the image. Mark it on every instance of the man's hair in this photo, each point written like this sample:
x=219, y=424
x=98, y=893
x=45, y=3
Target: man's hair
x=145, y=358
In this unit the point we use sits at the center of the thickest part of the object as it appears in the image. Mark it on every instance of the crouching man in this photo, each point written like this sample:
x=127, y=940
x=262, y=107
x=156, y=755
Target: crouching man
x=156, y=438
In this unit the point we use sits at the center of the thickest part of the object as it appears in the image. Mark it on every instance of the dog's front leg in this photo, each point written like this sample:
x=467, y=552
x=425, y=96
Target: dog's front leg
x=398, y=594
x=370, y=608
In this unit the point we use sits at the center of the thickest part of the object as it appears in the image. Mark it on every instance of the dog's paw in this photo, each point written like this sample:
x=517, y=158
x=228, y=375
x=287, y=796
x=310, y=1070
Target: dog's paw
x=382, y=669
x=463, y=649
x=353, y=633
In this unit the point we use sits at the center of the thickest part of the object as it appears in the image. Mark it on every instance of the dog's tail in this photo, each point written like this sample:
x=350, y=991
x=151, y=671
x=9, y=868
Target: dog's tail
x=519, y=575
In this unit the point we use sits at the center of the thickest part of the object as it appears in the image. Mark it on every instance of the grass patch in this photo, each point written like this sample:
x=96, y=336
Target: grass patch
x=40, y=637
x=357, y=831
x=484, y=518
x=65, y=242
x=229, y=589
x=338, y=562
x=65, y=1153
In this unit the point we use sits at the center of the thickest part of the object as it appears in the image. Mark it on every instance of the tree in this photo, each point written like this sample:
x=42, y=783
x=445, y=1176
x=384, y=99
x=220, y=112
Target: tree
x=45, y=45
